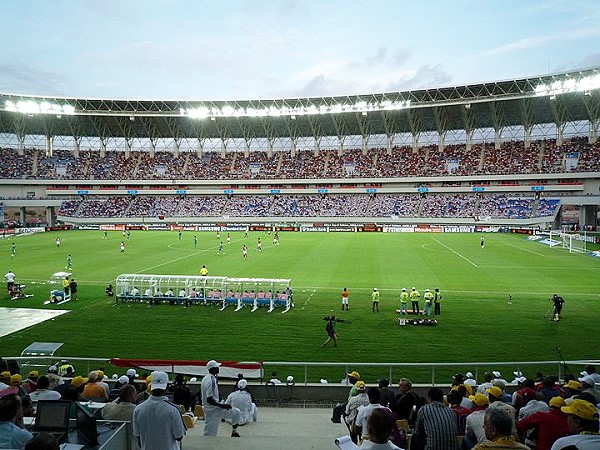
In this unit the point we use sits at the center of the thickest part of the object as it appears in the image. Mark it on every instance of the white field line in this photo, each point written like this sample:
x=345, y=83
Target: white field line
x=456, y=253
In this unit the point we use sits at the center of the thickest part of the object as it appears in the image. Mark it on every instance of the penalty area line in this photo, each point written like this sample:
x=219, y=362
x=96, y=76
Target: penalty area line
x=456, y=253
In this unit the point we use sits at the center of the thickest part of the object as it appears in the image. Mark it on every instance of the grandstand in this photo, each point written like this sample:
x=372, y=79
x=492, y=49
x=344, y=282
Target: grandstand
x=505, y=156
x=516, y=151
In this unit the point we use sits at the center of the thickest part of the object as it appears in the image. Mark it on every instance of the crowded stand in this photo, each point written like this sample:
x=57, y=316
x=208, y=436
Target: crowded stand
x=315, y=205
x=534, y=410
x=575, y=155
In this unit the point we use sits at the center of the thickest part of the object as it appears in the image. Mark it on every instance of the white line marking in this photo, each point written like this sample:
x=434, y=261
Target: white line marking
x=525, y=249
x=456, y=253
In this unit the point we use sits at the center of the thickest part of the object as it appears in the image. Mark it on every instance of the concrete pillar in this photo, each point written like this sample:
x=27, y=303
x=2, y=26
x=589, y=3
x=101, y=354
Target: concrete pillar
x=50, y=216
x=587, y=216
x=22, y=215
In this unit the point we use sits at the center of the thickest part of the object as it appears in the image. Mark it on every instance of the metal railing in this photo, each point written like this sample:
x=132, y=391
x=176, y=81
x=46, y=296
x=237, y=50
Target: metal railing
x=477, y=368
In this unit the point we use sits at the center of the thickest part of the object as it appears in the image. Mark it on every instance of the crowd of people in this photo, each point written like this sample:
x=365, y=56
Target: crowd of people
x=154, y=404
x=540, y=414
x=517, y=206
x=513, y=157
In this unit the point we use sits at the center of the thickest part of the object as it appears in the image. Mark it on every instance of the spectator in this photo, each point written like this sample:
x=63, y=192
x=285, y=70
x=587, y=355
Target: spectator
x=362, y=417
x=30, y=384
x=241, y=399
x=157, y=423
x=122, y=408
x=498, y=424
x=43, y=392
x=214, y=408
x=387, y=395
x=181, y=393
x=12, y=432
x=474, y=431
x=406, y=403
x=93, y=390
x=454, y=400
x=435, y=427
x=543, y=428
x=379, y=427
x=583, y=423
x=360, y=399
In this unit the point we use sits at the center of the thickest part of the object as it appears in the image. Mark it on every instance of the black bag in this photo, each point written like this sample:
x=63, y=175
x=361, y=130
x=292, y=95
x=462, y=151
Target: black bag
x=338, y=412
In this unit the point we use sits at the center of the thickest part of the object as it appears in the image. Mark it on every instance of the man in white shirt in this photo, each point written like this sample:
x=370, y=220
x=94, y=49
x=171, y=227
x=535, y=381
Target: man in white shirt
x=10, y=281
x=42, y=392
x=157, y=422
x=241, y=399
x=214, y=408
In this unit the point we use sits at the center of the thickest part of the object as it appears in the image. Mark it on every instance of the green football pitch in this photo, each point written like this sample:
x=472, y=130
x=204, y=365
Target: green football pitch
x=478, y=320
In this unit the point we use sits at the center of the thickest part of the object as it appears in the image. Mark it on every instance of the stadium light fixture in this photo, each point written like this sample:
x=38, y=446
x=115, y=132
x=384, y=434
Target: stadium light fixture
x=273, y=110
x=38, y=107
x=585, y=84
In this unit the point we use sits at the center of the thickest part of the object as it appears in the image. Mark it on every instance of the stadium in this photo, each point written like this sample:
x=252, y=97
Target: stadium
x=487, y=192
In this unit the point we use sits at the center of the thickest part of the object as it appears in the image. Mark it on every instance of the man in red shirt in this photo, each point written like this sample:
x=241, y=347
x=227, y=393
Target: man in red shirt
x=550, y=425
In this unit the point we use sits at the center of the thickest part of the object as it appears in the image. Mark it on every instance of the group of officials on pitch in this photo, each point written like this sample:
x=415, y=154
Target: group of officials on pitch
x=431, y=299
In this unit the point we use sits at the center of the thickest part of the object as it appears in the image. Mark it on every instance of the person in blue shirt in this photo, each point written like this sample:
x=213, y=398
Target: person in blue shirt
x=12, y=433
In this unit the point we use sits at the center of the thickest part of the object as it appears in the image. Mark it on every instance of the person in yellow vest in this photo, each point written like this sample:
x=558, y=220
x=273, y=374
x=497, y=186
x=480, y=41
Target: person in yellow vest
x=66, y=284
x=437, y=300
x=375, y=300
x=203, y=271
x=414, y=298
x=428, y=297
x=404, y=301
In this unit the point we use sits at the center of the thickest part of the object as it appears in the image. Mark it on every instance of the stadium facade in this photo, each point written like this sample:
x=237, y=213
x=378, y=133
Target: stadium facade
x=460, y=151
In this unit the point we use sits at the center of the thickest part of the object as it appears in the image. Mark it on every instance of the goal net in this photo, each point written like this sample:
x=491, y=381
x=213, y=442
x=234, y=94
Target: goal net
x=574, y=242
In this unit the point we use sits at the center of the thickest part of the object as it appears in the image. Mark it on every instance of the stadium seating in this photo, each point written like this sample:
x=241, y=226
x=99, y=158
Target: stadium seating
x=513, y=157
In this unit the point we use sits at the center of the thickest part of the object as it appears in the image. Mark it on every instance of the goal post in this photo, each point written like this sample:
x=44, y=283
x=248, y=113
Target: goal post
x=573, y=242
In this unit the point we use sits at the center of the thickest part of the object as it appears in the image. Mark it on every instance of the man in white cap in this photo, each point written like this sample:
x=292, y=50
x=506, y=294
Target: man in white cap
x=157, y=423
x=241, y=399
x=214, y=408
x=375, y=300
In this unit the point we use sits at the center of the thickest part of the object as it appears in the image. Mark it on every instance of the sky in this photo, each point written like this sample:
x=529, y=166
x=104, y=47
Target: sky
x=270, y=49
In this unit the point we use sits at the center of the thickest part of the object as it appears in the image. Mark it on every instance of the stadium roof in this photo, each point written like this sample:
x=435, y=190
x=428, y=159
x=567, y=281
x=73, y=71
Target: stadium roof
x=557, y=98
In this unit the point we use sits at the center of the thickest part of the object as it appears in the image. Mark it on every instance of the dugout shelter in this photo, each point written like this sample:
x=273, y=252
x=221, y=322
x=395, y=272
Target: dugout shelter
x=207, y=290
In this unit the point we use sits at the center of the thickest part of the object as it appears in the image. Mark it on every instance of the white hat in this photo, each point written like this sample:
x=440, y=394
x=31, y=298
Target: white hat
x=290, y=379
x=588, y=379
x=242, y=384
x=193, y=379
x=518, y=373
x=374, y=289
x=52, y=369
x=132, y=373
x=124, y=379
x=212, y=364
x=426, y=290
x=497, y=374
x=115, y=376
x=403, y=289
x=158, y=380
x=469, y=375
x=323, y=381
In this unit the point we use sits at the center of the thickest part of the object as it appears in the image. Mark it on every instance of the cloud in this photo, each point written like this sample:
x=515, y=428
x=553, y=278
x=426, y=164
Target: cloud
x=331, y=84
x=25, y=79
x=540, y=40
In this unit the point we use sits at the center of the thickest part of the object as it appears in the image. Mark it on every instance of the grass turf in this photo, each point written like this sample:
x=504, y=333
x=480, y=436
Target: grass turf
x=477, y=323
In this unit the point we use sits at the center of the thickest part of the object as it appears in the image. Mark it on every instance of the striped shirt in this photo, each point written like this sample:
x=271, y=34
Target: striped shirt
x=436, y=426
